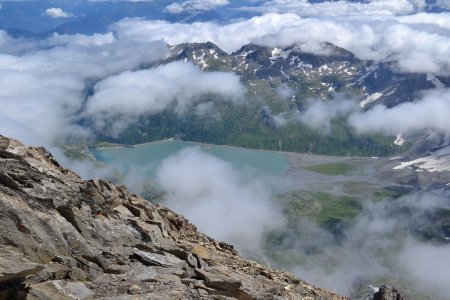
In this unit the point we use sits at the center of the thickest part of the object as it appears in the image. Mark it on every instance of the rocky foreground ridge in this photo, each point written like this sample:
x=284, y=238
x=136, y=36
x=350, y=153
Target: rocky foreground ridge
x=63, y=237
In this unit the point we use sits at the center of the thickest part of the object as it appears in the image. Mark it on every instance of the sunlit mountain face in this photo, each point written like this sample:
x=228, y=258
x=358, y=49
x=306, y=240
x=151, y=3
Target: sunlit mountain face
x=350, y=98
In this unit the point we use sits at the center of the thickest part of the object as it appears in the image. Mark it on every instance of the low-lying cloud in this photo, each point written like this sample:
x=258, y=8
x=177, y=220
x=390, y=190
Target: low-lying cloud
x=427, y=265
x=429, y=112
x=320, y=114
x=221, y=201
x=339, y=8
x=133, y=93
x=95, y=77
x=192, y=6
x=380, y=245
x=45, y=82
x=423, y=37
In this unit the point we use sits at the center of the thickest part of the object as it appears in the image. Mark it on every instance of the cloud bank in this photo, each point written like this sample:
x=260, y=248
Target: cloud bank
x=131, y=94
x=430, y=112
x=195, y=5
x=340, y=8
x=94, y=77
x=379, y=243
x=44, y=82
x=401, y=39
x=221, y=201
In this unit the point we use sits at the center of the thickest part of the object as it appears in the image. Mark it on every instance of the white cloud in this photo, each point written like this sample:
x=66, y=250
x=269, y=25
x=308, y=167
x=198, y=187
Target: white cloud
x=175, y=8
x=221, y=201
x=341, y=8
x=379, y=242
x=430, y=112
x=195, y=5
x=406, y=40
x=44, y=83
x=229, y=37
x=130, y=94
x=10, y=45
x=59, y=71
x=56, y=12
x=428, y=265
x=319, y=113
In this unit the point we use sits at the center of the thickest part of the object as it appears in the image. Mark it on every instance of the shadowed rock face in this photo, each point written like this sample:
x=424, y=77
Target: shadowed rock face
x=62, y=237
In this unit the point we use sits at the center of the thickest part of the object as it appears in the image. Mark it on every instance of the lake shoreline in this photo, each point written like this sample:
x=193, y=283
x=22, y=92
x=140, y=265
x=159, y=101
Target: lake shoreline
x=267, y=161
x=203, y=145
x=295, y=161
x=119, y=146
x=207, y=145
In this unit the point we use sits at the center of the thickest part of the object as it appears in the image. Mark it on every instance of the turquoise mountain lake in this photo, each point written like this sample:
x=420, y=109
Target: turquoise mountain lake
x=150, y=156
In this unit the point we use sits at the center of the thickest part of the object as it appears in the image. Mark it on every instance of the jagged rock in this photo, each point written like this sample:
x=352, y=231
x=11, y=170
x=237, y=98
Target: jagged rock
x=134, y=290
x=166, y=260
x=388, y=292
x=5, y=179
x=63, y=237
x=59, y=289
x=201, y=252
x=192, y=261
x=14, y=266
x=144, y=274
x=227, y=284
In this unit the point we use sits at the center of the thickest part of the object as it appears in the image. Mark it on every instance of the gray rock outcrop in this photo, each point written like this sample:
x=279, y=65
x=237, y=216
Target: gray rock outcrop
x=388, y=292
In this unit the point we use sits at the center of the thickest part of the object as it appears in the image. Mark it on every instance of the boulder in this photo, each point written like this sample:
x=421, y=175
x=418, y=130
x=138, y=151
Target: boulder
x=59, y=289
x=388, y=292
x=154, y=259
x=14, y=266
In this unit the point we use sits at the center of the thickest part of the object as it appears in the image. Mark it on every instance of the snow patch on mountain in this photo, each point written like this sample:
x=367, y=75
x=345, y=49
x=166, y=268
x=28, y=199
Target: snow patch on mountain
x=278, y=53
x=399, y=140
x=370, y=99
x=434, y=80
x=432, y=163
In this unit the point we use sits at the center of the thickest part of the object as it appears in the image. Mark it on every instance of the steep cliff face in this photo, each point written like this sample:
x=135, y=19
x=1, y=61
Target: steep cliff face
x=62, y=237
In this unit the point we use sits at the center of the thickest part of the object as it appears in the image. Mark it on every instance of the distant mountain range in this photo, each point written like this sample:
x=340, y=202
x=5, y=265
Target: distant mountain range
x=311, y=74
x=281, y=83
